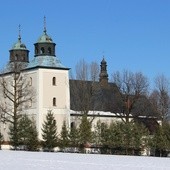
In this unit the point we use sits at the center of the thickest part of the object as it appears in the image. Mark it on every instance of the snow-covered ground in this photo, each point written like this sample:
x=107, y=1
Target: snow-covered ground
x=20, y=160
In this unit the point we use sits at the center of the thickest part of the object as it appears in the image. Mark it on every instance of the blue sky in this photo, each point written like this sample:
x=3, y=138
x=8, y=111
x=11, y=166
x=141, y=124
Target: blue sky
x=131, y=34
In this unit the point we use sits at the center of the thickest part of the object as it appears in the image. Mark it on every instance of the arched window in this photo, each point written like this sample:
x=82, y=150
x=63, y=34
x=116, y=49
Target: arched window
x=30, y=103
x=42, y=50
x=36, y=50
x=49, y=50
x=54, y=81
x=30, y=82
x=72, y=125
x=54, y=101
x=24, y=57
x=16, y=57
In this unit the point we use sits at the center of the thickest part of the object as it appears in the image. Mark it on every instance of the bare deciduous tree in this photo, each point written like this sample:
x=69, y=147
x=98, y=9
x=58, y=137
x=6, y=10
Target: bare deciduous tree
x=16, y=96
x=132, y=86
x=82, y=70
x=94, y=71
x=160, y=96
x=83, y=89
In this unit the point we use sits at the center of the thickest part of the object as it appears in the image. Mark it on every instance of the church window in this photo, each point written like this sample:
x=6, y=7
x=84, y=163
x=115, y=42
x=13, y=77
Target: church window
x=54, y=101
x=36, y=50
x=30, y=103
x=54, y=121
x=49, y=50
x=72, y=125
x=24, y=58
x=54, y=81
x=42, y=50
x=16, y=57
x=30, y=82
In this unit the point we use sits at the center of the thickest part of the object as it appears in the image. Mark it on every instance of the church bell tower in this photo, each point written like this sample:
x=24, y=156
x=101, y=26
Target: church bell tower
x=19, y=52
x=103, y=77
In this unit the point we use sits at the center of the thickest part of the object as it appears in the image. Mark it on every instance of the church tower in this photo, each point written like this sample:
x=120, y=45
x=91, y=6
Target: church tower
x=44, y=45
x=19, y=52
x=50, y=79
x=103, y=74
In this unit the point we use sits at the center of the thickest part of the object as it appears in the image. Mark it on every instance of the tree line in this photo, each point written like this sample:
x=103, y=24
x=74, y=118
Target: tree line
x=130, y=138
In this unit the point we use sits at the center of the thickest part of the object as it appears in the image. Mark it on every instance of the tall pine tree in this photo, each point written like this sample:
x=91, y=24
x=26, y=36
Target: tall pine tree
x=74, y=137
x=1, y=139
x=85, y=131
x=64, y=137
x=49, y=132
x=28, y=135
x=14, y=133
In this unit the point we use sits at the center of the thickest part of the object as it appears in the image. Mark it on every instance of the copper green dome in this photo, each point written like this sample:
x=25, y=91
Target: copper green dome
x=45, y=38
x=19, y=45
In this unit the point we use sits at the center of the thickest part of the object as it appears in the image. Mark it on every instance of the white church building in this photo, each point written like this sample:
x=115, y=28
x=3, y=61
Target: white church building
x=47, y=77
x=50, y=82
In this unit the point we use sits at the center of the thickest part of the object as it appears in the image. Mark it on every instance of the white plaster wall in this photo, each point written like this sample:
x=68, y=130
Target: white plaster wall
x=45, y=92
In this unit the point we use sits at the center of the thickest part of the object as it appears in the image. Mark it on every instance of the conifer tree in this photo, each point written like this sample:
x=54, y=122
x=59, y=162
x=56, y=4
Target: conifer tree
x=97, y=134
x=74, y=137
x=14, y=134
x=33, y=143
x=105, y=132
x=1, y=139
x=49, y=132
x=140, y=137
x=28, y=135
x=85, y=131
x=64, y=136
x=161, y=140
x=115, y=135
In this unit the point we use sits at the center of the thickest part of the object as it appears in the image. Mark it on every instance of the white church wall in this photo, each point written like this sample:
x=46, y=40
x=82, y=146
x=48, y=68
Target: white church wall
x=45, y=92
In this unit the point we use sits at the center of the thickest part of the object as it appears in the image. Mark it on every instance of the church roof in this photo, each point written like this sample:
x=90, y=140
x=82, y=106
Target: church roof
x=19, y=45
x=45, y=61
x=45, y=38
x=98, y=97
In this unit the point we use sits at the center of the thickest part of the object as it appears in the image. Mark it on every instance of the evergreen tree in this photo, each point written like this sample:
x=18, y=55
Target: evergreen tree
x=115, y=135
x=105, y=138
x=28, y=135
x=161, y=140
x=74, y=137
x=49, y=132
x=1, y=139
x=97, y=134
x=127, y=138
x=64, y=136
x=14, y=133
x=33, y=143
x=140, y=136
x=85, y=131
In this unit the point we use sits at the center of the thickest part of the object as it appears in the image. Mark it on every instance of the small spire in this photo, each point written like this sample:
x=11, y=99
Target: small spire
x=45, y=30
x=19, y=32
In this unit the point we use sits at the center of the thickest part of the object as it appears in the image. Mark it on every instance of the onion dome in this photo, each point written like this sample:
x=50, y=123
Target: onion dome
x=45, y=38
x=45, y=45
x=19, y=52
x=19, y=45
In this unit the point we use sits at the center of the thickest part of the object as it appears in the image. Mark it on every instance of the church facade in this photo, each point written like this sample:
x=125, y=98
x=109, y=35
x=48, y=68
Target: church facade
x=48, y=78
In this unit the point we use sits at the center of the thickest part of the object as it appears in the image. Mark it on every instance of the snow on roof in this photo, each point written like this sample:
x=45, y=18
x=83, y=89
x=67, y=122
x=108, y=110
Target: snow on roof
x=45, y=61
x=96, y=113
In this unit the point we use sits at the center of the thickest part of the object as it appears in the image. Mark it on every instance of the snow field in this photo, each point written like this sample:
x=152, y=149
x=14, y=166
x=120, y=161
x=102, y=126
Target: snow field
x=20, y=160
